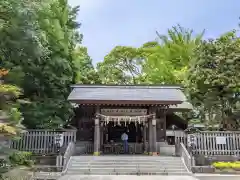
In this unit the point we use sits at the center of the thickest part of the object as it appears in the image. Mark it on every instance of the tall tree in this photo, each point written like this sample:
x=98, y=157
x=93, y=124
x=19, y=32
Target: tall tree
x=168, y=59
x=86, y=73
x=121, y=66
x=214, y=76
x=39, y=39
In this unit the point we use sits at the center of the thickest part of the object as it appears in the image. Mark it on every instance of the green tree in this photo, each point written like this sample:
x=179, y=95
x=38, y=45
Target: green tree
x=121, y=66
x=214, y=77
x=38, y=40
x=167, y=60
x=10, y=118
x=86, y=74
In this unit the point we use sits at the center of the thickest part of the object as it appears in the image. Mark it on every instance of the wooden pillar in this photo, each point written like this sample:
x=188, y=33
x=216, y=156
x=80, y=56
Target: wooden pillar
x=97, y=135
x=161, y=125
x=150, y=150
x=101, y=136
x=164, y=126
x=145, y=138
x=136, y=126
x=154, y=136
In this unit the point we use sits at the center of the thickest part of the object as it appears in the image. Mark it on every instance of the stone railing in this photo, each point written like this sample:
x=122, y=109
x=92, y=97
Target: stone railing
x=186, y=157
x=67, y=156
x=56, y=171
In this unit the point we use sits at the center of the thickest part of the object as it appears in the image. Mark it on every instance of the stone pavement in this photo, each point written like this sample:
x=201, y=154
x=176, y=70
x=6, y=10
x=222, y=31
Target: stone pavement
x=216, y=177
x=132, y=177
x=122, y=177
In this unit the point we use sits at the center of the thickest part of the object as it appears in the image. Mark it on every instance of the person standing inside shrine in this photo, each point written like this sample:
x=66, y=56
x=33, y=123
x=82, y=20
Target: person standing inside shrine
x=124, y=138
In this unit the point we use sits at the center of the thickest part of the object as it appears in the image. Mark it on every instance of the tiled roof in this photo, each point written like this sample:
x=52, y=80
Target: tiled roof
x=154, y=94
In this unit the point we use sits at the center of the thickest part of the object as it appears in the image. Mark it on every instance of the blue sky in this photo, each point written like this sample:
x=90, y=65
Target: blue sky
x=108, y=23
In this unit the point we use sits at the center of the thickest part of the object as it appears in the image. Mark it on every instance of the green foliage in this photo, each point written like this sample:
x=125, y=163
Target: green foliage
x=14, y=115
x=39, y=48
x=40, y=45
x=121, y=66
x=163, y=62
x=179, y=44
x=227, y=165
x=21, y=158
x=7, y=89
x=85, y=72
x=213, y=79
x=167, y=61
x=46, y=114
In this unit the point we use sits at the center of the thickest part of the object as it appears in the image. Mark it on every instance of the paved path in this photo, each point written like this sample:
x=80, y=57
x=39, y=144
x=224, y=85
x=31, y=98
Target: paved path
x=217, y=177
x=122, y=177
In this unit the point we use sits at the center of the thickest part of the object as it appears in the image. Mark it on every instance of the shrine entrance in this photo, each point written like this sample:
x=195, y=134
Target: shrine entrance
x=134, y=132
x=114, y=122
x=105, y=111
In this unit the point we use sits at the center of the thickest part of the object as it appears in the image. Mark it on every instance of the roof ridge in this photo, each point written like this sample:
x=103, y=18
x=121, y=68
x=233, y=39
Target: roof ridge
x=129, y=86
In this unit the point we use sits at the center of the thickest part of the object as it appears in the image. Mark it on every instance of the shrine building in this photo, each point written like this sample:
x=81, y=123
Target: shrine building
x=146, y=112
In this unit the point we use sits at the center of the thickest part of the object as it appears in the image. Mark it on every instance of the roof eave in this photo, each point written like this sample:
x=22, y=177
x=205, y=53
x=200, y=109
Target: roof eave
x=124, y=102
x=138, y=85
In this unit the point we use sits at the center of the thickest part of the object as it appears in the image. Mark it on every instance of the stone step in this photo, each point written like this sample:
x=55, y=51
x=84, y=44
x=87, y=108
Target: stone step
x=127, y=160
x=124, y=163
x=133, y=173
x=127, y=165
x=119, y=167
x=130, y=172
x=126, y=170
x=121, y=161
x=157, y=158
x=81, y=171
x=125, y=157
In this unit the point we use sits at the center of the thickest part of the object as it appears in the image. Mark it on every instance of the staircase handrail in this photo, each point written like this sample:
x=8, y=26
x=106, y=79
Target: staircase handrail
x=67, y=156
x=187, y=158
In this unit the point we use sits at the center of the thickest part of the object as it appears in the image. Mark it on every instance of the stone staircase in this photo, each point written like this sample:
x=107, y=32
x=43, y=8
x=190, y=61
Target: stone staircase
x=126, y=165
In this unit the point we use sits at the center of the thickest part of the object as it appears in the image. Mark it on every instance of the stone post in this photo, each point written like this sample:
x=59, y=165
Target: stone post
x=150, y=150
x=154, y=136
x=145, y=138
x=97, y=140
x=101, y=136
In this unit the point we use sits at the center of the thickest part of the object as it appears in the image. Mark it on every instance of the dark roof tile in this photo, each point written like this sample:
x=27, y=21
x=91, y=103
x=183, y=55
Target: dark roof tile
x=127, y=93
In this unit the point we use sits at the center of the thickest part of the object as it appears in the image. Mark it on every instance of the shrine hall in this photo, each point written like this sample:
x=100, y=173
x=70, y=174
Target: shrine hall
x=145, y=112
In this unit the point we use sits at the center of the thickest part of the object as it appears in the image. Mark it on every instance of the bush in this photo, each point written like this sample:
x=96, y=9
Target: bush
x=227, y=165
x=21, y=158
